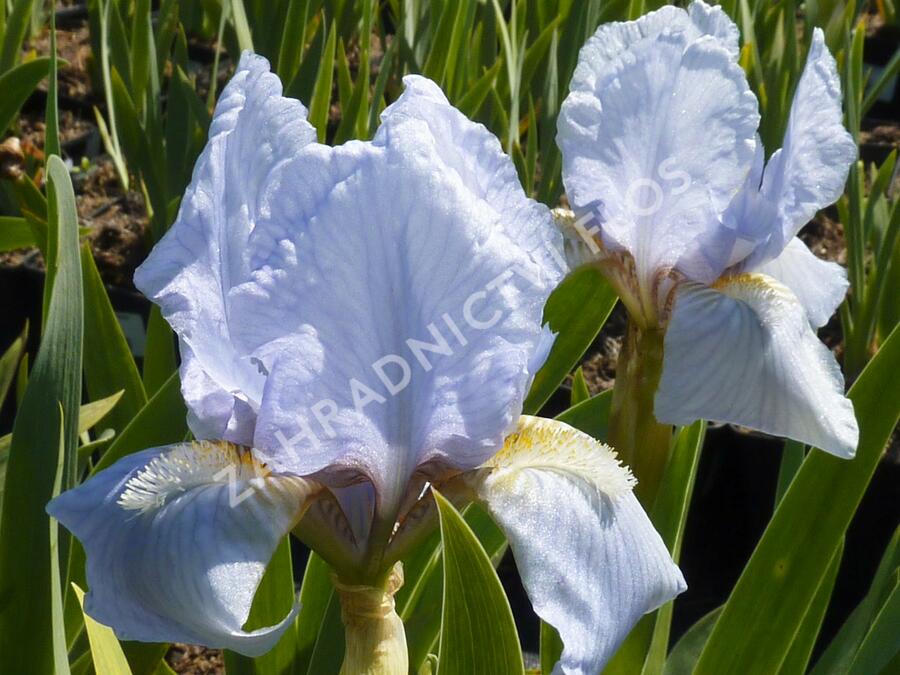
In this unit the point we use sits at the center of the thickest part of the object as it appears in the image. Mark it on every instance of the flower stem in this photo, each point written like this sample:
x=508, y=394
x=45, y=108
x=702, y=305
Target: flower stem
x=642, y=442
x=375, y=642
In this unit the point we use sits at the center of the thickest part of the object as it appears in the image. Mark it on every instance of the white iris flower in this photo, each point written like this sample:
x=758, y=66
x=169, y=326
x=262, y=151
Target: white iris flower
x=666, y=175
x=357, y=323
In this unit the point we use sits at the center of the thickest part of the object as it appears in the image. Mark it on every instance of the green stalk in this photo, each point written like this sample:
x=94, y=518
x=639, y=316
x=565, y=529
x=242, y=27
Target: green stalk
x=641, y=441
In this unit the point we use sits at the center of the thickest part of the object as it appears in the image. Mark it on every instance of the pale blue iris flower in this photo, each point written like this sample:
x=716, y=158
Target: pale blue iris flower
x=366, y=318
x=666, y=175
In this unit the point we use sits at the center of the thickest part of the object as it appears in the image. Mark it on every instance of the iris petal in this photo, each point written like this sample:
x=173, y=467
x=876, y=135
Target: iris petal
x=819, y=285
x=589, y=557
x=194, y=268
x=612, y=39
x=409, y=277
x=177, y=540
x=659, y=146
x=745, y=353
x=809, y=171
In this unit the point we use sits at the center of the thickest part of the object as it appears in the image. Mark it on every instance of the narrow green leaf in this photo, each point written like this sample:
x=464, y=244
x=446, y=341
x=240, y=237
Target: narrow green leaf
x=669, y=515
x=773, y=594
x=51, y=117
x=241, y=26
x=478, y=634
x=328, y=651
x=14, y=34
x=384, y=73
x=57, y=619
x=106, y=651
x=419, y=601
x=17, y=84
x=791, y=458
x=684, y=655
x=551, y=647
x=159, y=353
x=880, y=646
x=576, y=311
x=108, y=364
x=160, y=422
x=293, y=39
x=321, y=98
x=839, y=655
x=315, y=596
x=580, y=391
x=26, y=632
x=9, y=363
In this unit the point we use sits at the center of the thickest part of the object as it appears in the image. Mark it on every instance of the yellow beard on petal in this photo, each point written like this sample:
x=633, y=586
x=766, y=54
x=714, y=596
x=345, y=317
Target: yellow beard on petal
x=188, y=466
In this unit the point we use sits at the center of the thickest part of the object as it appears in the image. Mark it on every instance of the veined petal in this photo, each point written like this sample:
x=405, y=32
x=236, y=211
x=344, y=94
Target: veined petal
x=194, y=268
x=611, y=39
x=177, y=539
x=809, y=171
x=658, y=149
x=589, y=557
x=407, y=282
x=475, y=154
x=744, y=352
x=819, y=285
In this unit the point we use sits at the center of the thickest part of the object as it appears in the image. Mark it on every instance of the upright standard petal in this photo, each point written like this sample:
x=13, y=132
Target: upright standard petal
x=819, y=285
x=407, y=281
x=744, y=352
x=177, y=540
x=191, y=272
x=658, y=148
x=475, y=154
x=809, y=171
x=589, y=557
x=611, y=39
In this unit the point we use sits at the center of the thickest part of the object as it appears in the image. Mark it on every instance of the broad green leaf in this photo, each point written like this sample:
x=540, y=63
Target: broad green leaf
x=478, y=634
x=839, y=654
x=576, y=310
x=26, y=632
x=419, y=601
x=272, y=602
x=162, y=421
x=17, y=84
x=108, y=364
x=106, y=651
x=15, y=233
x=778, y=584
x=802, y=645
